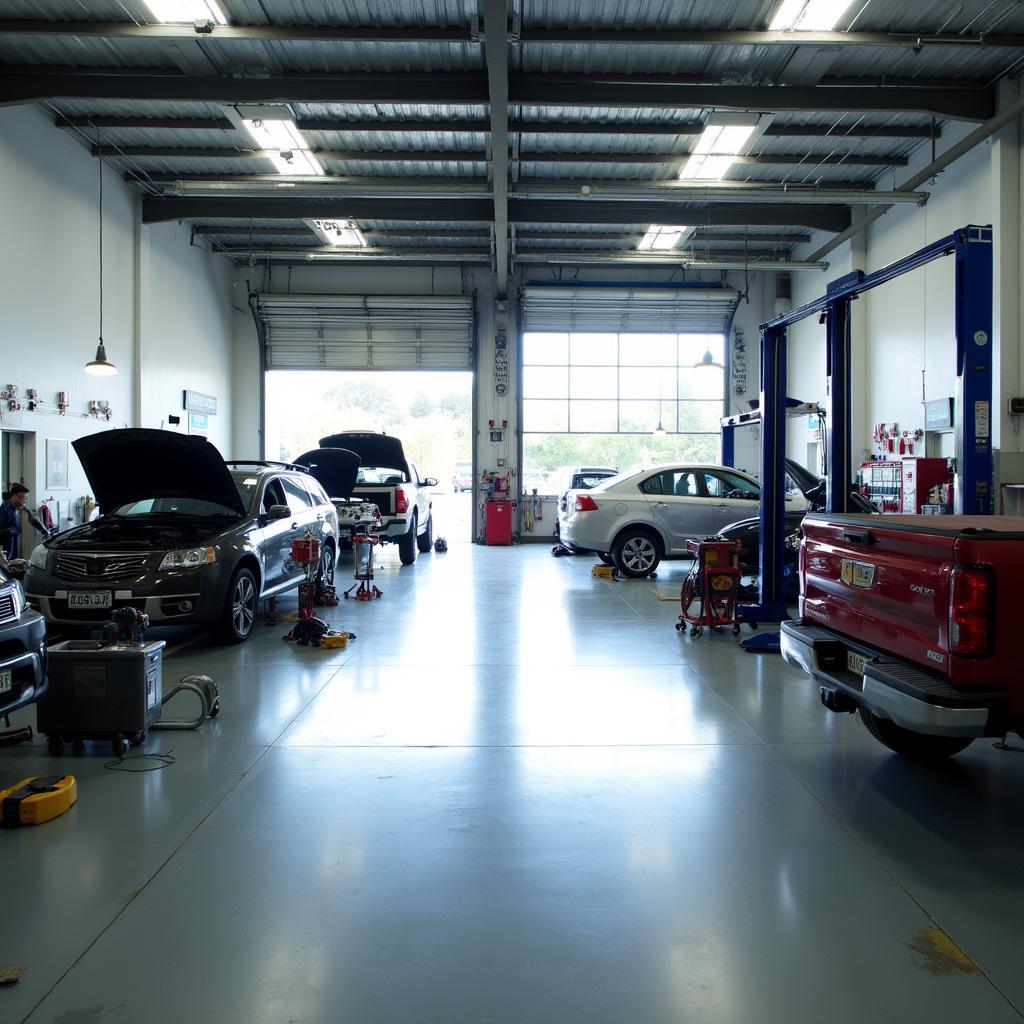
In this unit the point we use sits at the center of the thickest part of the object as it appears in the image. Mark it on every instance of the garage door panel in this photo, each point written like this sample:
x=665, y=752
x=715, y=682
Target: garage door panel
x=361, y=332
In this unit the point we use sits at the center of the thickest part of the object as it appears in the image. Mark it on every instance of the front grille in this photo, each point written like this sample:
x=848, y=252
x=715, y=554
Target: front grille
x=8, y=609
x=99, y=568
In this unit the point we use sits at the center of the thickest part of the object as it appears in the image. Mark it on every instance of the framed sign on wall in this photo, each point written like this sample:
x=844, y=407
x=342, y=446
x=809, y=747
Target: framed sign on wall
x=56, y=463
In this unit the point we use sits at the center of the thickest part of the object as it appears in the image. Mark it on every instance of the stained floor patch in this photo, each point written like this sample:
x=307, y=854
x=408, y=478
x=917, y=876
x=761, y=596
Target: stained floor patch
x=936, y=953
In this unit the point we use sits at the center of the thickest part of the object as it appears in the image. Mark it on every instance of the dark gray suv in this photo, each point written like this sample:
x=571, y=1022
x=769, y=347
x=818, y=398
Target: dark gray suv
x=183, y=535
x=22, y=649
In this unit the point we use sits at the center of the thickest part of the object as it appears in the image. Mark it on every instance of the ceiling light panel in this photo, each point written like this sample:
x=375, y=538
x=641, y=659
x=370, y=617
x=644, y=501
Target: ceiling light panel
x=660, y=237
x=716, y=149
x=186, y=11
x=808, y=15
x=286, y=147
x=339, y=233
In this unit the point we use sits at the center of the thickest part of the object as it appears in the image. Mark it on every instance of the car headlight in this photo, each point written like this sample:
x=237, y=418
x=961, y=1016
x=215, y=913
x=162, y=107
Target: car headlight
x=189, y=558
x=38, y=557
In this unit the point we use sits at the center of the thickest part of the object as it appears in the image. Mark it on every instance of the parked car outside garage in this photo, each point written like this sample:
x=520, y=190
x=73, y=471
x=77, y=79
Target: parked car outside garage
x=577, y=478
x=639, y=517
x=182, y=535
x=462, y=477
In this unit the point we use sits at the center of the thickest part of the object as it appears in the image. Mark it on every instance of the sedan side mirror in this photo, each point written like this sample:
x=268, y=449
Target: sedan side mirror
x=279, y=512
x=430, y=482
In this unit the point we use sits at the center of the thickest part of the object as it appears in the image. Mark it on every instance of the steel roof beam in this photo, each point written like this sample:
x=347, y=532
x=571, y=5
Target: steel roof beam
x=825, y=216
x=656, y=91
x=777, y=130
x=473, y=156
x=28, y=84
x=25, y=84
x=496, y=48
x=540, y=35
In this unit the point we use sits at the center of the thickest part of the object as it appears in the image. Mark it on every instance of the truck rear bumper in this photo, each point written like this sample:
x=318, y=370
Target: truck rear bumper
x=911, y=697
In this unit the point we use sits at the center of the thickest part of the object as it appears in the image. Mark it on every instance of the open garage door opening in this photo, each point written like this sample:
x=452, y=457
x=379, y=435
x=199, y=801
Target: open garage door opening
x=430, y=413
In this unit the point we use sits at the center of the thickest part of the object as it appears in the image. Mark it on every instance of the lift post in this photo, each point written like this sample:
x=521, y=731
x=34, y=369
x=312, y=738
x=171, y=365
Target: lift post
x=972, y=248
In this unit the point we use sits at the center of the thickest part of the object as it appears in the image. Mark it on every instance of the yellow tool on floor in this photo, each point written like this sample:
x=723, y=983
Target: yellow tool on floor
x=606, y=572
x=37, y=799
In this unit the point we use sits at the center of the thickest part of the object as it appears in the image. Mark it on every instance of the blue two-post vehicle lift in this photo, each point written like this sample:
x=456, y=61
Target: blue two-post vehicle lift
x=972, y=248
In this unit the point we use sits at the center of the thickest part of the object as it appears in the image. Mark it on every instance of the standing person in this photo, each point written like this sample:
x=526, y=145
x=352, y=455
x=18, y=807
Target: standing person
x=10, y=519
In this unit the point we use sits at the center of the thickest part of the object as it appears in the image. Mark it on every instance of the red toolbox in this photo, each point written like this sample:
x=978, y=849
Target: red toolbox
x=498, y=522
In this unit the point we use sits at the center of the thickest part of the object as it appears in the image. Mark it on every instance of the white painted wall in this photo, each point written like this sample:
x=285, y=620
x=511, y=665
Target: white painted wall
x=162, y=298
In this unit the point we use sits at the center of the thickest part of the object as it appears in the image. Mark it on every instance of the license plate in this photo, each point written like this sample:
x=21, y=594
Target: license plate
x=90, y=599
x=856, y=662
x=6, y=680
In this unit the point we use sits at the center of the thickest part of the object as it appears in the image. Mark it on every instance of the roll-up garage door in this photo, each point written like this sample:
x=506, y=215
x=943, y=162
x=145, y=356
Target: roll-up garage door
x=647, y=310
x=367, y=332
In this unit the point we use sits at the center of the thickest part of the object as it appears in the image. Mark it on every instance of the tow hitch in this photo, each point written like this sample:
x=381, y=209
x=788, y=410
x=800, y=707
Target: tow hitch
x=836, y=700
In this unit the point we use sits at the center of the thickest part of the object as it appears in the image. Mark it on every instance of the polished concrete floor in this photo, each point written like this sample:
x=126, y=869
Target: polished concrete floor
x=520, y=797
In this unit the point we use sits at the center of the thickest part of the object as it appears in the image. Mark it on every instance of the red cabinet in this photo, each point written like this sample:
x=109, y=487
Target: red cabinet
x=498, y=522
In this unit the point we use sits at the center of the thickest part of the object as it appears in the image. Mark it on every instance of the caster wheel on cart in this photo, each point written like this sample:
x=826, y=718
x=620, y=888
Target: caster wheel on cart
x=753, y=626
x=137, y=739
x=55, y=745
x=215, y=710
x=679, y=627
x=119, y=746
x=735, y=630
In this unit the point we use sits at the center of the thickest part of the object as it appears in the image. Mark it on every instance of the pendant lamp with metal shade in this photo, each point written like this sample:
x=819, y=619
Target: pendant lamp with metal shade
x=101, y=366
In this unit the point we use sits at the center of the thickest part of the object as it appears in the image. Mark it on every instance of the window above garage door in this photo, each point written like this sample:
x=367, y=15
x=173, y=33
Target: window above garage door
x=366, y=332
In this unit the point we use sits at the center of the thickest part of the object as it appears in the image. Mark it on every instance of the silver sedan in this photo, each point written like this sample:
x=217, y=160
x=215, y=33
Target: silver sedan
x=637, y=518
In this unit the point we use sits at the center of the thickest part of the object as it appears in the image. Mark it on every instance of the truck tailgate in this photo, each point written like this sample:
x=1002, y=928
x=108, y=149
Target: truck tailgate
x=886, y=582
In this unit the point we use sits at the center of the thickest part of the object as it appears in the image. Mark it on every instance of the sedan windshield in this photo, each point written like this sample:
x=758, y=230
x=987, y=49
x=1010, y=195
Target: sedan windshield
x=195, y=507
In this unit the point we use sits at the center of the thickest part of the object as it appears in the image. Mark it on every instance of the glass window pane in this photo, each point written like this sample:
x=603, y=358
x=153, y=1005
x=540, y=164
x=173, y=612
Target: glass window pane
x=653, y=484
x=647, y=349
x=594, y=349
x=647, y=382
x=693, y=346
x=684, y=484
x=543, y=415
x=592, y=382
x=593, y=417
x=701, y=417
x=707, y=382
x=545, y=349
x=545, y=382
x=721, y=485
x=638, y=417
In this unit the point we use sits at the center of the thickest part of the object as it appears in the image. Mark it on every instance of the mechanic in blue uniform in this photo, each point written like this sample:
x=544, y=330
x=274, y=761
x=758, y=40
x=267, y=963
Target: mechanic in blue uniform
x=10, y=519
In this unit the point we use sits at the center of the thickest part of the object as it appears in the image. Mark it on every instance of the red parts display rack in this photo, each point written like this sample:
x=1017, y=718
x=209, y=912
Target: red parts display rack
x=712, y=586
x=903, y=486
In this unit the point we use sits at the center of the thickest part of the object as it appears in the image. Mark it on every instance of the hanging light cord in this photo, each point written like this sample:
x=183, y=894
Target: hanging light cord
x=100, y=161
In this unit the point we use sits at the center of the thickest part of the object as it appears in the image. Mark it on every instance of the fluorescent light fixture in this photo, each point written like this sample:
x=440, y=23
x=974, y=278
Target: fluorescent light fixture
x=186, y=11
x=661, y=237
x=338, y=232
x=718, y=146
x=277, y=133
x=808, y=15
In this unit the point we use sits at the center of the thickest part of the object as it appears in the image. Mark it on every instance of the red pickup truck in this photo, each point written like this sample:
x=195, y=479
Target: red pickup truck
x=915, y=622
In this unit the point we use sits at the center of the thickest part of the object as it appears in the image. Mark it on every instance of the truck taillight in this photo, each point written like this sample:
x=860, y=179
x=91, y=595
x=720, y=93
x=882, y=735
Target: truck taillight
x=401, y=501
x=969, y=612
x=585, y=503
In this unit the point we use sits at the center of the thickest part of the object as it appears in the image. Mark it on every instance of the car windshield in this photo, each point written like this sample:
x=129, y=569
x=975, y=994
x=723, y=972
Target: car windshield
x=246, y=485
x=194, y=507
x=380, y=475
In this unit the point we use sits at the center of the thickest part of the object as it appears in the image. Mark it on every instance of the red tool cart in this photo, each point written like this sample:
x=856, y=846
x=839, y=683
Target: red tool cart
x=712, y=587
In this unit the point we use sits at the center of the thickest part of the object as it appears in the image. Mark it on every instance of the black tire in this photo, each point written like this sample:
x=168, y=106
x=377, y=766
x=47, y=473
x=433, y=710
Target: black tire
x=425, y=541
x=607, y=559
x=119, y=746
x=407, y=545
x=55, y=745
x=636, y=553
x=917, y=745
x=137, y=739
x=240, y=604
x=325, y=570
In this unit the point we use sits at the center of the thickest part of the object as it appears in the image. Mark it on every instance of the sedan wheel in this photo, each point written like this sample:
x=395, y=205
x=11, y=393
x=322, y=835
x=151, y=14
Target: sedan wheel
x=240, y=611
x=636, y=554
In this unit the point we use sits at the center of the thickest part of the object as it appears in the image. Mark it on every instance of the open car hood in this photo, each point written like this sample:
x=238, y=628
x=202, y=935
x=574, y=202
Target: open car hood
x=335, y=469
x=135, y=463
x=372, y=449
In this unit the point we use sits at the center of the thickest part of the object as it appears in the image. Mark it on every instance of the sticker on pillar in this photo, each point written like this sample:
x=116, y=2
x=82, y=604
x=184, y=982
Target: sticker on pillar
x=501, y=363
x=981, y=423
x=198, y=423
